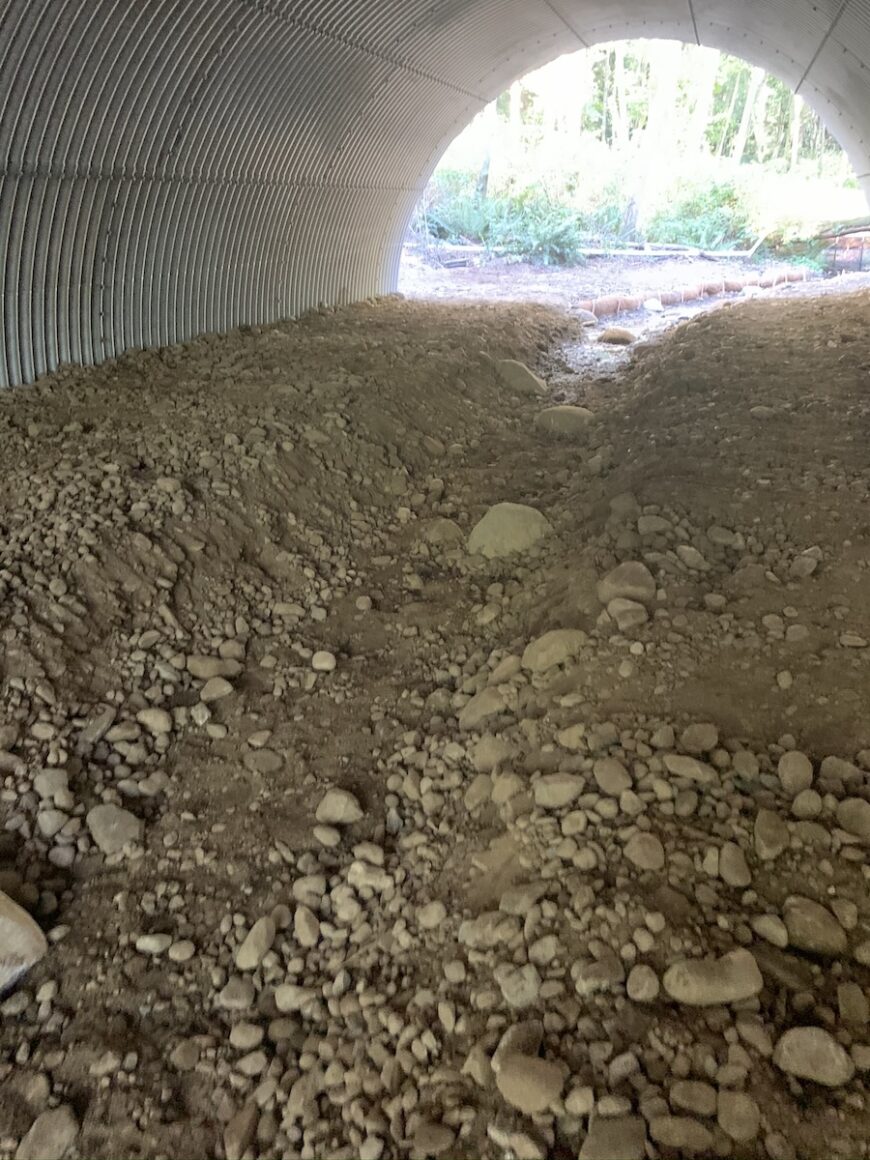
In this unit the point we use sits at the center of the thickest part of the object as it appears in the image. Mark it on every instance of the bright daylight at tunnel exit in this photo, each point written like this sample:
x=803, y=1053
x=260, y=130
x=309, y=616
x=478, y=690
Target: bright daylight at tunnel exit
x=434, y=579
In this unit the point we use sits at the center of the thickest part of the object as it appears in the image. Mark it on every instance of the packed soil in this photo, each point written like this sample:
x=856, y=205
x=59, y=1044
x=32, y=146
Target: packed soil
x=367, y=818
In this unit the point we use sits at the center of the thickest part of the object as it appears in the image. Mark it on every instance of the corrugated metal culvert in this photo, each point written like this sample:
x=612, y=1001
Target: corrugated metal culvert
x=176, y=166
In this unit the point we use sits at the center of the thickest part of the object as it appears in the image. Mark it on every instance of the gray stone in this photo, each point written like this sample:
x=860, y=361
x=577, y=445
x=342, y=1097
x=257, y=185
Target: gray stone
x=853, y=816
x=520, y=986
x=508, y=528
x=615, y=1138
x=239, y=1132
x=733, y=869
x=690, y=768
x=642, y=985
x=50, y=782
x=627, y=614
x=812, y=927
x=256, y=945
x=771, y=835
x=653, y=525
x=630, y=580
x=482, y=707
x=708, y=982
x=215, y=689
x=528, y=1083
x=156, y=721
x=645, y=851
x=693, y=1096
x=432, y=1139
x=553, y=648
x=739, y=1116
x=441, y=532
x=683, y=1133
x=813, y=1053
x=795, y=772
x=432, y=915
x=51, y=1135
x=617, y=336
x=564, y=422
x=113, y=828
x=518, y=377
x=555, y=790
x=339, y=807
x=699, y=738
x=611, y=776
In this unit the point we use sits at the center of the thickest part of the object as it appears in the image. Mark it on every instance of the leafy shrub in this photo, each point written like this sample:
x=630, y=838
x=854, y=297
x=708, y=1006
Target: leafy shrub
x=530, y=226
x=525, y=224
x=710, y=216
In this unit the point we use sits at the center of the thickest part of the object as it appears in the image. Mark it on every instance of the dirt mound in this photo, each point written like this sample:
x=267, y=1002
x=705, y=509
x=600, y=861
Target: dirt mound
x=349, y=843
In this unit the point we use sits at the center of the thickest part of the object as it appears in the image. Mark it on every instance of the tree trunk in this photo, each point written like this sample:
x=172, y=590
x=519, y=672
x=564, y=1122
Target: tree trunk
x=703, y=85
x=658, y=136
x=729, y=117
x=759, y=124
x=619, y=117
x=797, y=108
x=756, y=76
x=605, y=103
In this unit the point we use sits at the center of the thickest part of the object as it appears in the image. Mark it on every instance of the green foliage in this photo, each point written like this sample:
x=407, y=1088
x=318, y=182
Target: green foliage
x=532, y=227
x=714, y=216
x=526, y=224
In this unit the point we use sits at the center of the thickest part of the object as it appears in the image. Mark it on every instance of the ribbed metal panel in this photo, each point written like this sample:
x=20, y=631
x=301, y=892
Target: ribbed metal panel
x=174, y=166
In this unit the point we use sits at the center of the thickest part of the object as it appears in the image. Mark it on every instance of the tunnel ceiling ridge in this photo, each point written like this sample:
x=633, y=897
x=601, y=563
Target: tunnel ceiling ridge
x=170, y=167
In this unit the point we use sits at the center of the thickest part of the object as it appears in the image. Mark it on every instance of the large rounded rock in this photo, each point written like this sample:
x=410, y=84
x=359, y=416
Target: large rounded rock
x=553, y=648
x=710, y=982
x=113, y=828
x=853, y=816
x=682, y=1133
x=629, y=581
x=617, y=336
x=482, y=707
x=795, y=772
x=811, y=927
x=563, y=422
x=813, y=1053
x=528, y=1083
x=771, y=835
x=51, y=1135
x=645, y=851
x=22, y=943
x=611, y=776
x=615, y=1138
x=441, y=532
x=739, y=1116
x=507, y=528
x=338, y=807
x=518, y=377
x=257, y=944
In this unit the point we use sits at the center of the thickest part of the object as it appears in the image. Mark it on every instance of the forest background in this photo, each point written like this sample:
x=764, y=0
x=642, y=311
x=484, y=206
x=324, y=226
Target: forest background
x=640, y=142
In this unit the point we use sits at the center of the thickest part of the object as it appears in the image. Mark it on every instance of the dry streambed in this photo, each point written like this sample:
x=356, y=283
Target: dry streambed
x=407, y=754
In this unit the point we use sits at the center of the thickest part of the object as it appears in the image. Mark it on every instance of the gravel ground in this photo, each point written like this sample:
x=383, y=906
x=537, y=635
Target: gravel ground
x=405, y=754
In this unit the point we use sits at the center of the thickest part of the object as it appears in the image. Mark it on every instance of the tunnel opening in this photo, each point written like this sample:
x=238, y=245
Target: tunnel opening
x=415, y=743
x=635, y=168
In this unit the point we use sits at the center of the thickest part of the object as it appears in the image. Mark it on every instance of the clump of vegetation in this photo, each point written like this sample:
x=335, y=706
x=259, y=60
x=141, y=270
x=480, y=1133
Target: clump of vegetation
x=711, y=217
x=526, y=224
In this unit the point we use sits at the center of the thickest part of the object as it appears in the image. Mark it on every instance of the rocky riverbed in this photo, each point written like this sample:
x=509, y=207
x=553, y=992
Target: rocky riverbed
x=412, y=745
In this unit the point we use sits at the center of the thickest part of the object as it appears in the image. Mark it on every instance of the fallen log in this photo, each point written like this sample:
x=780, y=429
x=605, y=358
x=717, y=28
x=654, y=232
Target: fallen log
x=611, y=304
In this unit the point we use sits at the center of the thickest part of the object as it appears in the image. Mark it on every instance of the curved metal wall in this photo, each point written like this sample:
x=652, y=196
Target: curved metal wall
x=169, y=167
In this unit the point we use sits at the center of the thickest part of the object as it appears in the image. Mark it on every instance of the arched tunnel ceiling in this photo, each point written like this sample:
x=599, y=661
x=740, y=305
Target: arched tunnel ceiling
x=176, y=166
